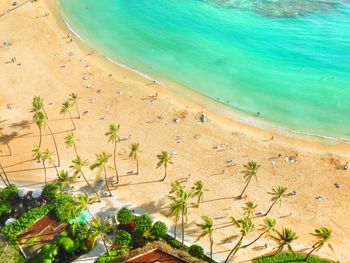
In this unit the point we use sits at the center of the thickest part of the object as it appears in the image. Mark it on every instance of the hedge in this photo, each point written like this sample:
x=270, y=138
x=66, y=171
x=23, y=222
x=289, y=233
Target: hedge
x=122, y=238
x=12, y=230
x=143, y=223
x=196, y=251
x=8, y=193
x=159, y=230
x=124, y=216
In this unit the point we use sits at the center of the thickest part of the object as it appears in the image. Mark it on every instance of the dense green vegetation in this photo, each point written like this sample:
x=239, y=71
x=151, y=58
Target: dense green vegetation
x=290, y=257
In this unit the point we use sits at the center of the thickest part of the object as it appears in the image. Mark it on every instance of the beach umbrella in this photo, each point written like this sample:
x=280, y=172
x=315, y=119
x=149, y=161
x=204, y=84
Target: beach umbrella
x=10, y=220
x=22, y=192
x=37, y=192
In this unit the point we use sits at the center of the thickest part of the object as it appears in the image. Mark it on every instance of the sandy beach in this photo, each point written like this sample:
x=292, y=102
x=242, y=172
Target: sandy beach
x=41, y=60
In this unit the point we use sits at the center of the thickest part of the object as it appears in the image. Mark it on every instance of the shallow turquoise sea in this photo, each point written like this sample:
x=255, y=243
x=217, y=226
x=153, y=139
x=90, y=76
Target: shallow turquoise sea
x=289, y=60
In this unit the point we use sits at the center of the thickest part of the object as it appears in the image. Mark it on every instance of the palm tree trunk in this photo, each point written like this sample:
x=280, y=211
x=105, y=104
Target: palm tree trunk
x=165, y=173
x=110, y=194
x=40, y=136
x=255, y=240
x=44, y=171
x=268, y=211
x=5, y=175
x=55, y=168
x=175, y=228
x=137, y=165
x=76, y=105
x=115, y=162
x=182, y=228
x=93, y=190
x=211, y=246
x=7, y=144
x=235, y=249
x=71, y=119
x=104, y=243
x=75, y=149
x=279, y=249
x=314, y=247
x=245, y=188
x=2, y=178
x=56, y=148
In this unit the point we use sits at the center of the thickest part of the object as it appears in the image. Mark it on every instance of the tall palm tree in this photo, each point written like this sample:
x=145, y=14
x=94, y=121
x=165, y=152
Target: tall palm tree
x=39, y=156
x=77, y=166
x=323, y=236
x=100, y=164
x=207, y=228
x=250, y=171
x=266, y=228
x=113, y=137
x=40, y=120
x=37, y=104
x=100, y=229
x=284, y=239
x=278, y=193
x=50, y=158
x=249, y=209
x=66, y=108
x=176, y=187
x=134, y=153
x=82, y=203
x=198, y=191
x=174, y=212
x=164, y=160
x=69, y=140
x=180, y=203
x=73, y=98
x=245, y=226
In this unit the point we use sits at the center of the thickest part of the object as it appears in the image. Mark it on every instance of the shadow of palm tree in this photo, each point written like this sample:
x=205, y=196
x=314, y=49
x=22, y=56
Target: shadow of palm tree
x=155, y=206
x=146, y=182
x=21, y=125
x=218, y=199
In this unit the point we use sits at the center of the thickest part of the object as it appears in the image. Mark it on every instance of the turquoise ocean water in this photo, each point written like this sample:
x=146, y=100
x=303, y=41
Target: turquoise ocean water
x=287, y=59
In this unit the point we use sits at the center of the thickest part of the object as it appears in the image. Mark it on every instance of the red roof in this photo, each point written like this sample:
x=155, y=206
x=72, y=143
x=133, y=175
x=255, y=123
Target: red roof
x=155, y=255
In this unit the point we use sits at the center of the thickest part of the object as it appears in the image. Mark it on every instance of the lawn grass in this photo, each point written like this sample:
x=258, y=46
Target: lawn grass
x=290, y=257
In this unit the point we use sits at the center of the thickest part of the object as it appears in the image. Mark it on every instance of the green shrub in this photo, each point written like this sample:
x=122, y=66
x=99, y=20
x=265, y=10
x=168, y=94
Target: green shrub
x=173, y=242
x=122, y=238
x=143, y=223
x=159, y=230
x=60, y=207
x=290, y=257
x=46, y=254
x=196, y=251
x=124, y=216
x=5, y=208
x=8, y=193
x=79, y=231
x=50, y=192
x=67, y=244
x=11, y=231
x=113, y=256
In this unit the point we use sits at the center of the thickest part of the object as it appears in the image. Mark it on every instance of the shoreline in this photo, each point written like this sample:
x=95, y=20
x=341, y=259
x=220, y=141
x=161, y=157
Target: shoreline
x=219, y=111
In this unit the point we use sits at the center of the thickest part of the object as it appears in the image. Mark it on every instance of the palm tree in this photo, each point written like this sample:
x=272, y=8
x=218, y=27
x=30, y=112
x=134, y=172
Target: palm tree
x=198, y=191
x=64, y=180
x=73, y=98
x=77, y=166
x=285, y=238
x=113, y=137
x=179, y=206
x=323, y=236
x=278, y=193
x=69, y=140
x=176, y=187
x=250, y=171
x=82, y=202
x=39, y=156
x=207, y=230
x=100, y=163
x=40, y=120
x=38, y=105
x=266, y=228
x=66, y=108
x=174, y=211
x=134, y=153
x=50, y=158
x=245, y=226
x=249, y=209
x=100, y=230
x=164, y=159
